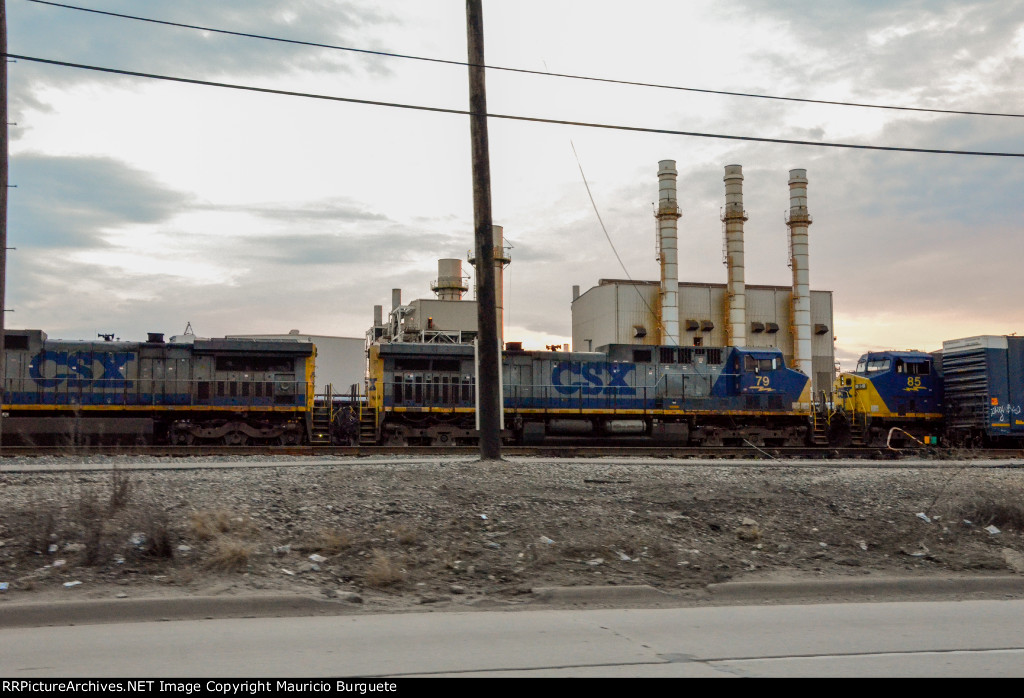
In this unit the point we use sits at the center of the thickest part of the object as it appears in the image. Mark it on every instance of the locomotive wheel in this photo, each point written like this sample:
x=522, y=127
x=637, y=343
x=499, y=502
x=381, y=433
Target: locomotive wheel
x=236, y=438
x=290, y=438
x=182, y=438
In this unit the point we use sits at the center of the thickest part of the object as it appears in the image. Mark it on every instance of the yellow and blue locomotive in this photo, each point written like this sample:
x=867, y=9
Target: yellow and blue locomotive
x=891, y=398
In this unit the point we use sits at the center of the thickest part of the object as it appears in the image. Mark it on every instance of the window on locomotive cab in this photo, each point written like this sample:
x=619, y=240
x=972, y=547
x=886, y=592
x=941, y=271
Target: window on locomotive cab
x=749, y=363
x=879, y=365
x=918, y=368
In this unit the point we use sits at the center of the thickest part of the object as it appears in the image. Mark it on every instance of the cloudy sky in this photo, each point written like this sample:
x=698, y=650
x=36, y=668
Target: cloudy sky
x=144, y=205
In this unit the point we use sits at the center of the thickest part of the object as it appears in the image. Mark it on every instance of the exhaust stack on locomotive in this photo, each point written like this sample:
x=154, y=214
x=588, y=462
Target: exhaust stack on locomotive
x=668, y=252
x=798, y=221
x=733, y=218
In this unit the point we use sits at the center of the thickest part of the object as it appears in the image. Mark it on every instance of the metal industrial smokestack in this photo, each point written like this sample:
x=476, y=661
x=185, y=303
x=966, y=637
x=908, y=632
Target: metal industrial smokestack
x=668, y=220
x=395, y=319
x=736, y=294
x=449, y=285
x=798, y=221
x=501, y=260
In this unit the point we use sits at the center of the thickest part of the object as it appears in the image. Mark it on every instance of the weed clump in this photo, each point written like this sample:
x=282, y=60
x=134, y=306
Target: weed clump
x=229, y=555
x=1002, y=513
x=383, y=572
x=207, y=525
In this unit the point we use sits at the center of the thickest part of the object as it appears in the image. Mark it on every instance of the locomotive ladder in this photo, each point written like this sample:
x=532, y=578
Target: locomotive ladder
x=367, y=426
x=819, y=421
x=858, y=430
x=321, y=434
x=322, y=418
x=819, y=428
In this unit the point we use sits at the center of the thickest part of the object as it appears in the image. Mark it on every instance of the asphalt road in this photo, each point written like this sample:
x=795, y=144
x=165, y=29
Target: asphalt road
x=907, y=639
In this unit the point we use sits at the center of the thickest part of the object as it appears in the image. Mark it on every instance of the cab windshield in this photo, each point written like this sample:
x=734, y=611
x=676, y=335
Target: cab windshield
x=877, y=365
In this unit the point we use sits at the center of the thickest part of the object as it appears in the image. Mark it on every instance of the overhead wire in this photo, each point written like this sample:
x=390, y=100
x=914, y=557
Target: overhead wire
x=635, y=83
x=610, y=242
x=510, y=117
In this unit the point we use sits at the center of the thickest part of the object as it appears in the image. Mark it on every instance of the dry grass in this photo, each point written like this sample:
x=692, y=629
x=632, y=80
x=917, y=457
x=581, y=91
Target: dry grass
x=748, y=533
x=209, y=525
x=160, y=537
x=383, y=572
x=1001, y=513
x=40, y=525
x=329, y=541
x=406, y=534
x=90, y=519
x=229, y=555
x=120, y=489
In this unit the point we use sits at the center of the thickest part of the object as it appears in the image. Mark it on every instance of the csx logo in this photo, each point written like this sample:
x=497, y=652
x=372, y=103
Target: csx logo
x=592, y=378
x=80, y=369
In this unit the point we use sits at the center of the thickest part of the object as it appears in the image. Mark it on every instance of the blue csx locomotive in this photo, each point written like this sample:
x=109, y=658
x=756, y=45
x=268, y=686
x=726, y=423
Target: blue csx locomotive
x=970, y=393
x=229, y=391
x=421, y=394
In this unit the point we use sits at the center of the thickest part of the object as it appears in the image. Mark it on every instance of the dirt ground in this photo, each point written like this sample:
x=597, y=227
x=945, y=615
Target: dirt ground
x=408, y=532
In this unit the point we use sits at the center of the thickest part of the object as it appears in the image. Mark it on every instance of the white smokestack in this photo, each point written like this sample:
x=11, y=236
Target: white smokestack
x=733, y=217
x=668, y=220
x=501, y=260
x=798, y=222
x=449, y=285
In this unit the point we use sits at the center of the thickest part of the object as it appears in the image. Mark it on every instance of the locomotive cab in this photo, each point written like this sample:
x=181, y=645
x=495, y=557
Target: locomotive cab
x=763, y=372
x=901, y=389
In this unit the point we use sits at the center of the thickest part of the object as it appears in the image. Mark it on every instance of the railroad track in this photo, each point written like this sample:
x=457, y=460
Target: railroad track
x=557, y=451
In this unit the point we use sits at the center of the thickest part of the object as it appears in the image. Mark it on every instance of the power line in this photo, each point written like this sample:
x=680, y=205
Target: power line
x=512, y=117
x=525, y=70
x=622, y=264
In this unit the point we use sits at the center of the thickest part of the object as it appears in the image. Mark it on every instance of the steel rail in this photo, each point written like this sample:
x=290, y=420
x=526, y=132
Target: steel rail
x=557, y=451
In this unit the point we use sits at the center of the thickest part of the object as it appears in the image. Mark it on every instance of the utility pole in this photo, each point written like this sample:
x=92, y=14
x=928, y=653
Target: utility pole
x=489, y=402
x=3, y=206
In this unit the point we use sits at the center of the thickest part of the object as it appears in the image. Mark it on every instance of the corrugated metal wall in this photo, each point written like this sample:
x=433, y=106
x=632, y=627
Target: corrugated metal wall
x=610, y=313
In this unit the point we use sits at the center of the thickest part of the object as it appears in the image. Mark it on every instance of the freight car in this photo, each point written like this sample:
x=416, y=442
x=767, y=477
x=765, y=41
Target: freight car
x=228, y=391
x=984, y=390
x=969, y=393
x=424, y=394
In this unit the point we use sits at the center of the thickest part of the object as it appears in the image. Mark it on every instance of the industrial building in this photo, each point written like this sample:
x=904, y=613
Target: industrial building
x=670, y=312
x=794, y=319
x=446, y=319
x=623, y=312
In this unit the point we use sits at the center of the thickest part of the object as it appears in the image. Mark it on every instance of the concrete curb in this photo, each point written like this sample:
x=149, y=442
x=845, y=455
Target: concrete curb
x=96, y=611
x=598, y=594
x=907, y=586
